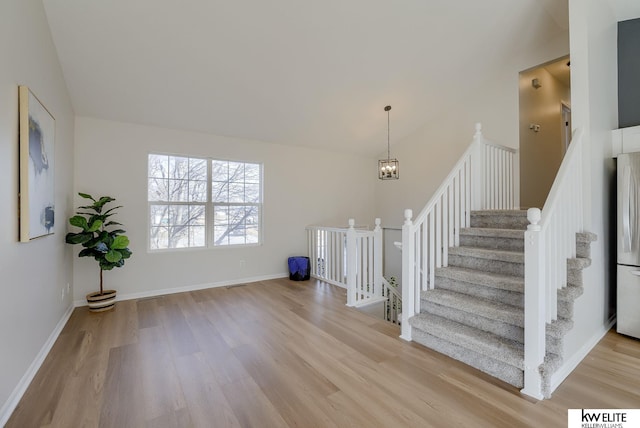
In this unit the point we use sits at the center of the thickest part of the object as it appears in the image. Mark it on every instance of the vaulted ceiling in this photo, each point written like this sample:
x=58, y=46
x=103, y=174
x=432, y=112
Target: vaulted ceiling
x=314, y=73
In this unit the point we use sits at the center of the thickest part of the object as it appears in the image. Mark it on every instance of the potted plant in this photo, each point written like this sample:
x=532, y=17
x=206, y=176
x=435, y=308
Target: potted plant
x=108, y=247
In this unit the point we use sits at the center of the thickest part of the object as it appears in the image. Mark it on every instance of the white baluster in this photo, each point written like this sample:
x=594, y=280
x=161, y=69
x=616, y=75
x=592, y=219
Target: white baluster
x=377, y=258
x=408, y=267
x=351, y=263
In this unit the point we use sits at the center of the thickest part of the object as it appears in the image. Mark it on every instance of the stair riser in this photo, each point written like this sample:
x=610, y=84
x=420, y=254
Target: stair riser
x=555, y=345
x=486, y=265
x=565, y=309
x=491, y=242
x=505, y=296
x=496, y=327
x=583, y=249
x=495, y=368
x=499, y=221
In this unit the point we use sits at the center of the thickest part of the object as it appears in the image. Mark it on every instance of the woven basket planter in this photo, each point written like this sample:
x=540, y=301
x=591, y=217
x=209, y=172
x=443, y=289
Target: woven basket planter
x=100, y=302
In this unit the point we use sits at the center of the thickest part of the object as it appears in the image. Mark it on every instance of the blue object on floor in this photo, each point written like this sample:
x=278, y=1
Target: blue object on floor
x=299, y=268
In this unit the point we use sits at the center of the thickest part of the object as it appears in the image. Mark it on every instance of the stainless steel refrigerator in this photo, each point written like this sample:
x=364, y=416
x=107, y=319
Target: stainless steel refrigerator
x=628, y=237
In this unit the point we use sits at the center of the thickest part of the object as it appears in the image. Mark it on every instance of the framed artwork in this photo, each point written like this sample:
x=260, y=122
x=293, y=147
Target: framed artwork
x=37, y=135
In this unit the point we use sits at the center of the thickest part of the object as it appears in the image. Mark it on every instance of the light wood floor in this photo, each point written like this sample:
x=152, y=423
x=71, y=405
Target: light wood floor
x=286, y=354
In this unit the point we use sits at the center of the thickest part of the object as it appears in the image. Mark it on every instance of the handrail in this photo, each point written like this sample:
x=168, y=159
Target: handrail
x=483, y=178
x=550, y=240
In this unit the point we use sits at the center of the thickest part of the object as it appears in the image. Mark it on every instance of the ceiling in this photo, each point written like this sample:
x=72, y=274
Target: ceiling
x=311, y=73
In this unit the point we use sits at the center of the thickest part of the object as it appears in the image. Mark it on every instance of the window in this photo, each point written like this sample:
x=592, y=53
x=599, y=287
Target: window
x=199, y=202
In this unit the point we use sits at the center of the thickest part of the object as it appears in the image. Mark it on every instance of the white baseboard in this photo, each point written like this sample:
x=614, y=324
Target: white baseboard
x=569, y=365
x=13, y=400
x=164, y=291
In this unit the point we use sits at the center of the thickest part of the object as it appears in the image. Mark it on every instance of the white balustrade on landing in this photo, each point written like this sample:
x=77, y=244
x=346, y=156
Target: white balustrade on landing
x=393, y=302
x=483, y=179
x=350, y=258
x=550, y=240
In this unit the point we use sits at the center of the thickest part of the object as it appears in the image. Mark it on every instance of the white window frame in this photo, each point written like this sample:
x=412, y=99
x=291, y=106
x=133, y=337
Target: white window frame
x=209, y=206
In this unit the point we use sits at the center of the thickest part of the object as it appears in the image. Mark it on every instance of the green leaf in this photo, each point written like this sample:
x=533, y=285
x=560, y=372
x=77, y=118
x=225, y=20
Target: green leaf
x=86, y=196
x=113, y=223
x=111, y=209
x=103, y=200
x=117, y=232
x=95, y=225
x=79, y=221
x=120, y=242
x=87, y=252
x=113, y=256
x=126, y=253
x=78, y=238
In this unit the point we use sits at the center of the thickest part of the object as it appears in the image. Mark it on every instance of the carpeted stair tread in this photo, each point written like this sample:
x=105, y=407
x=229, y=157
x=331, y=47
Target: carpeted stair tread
x=493, y=232
x=487, y=279
x=578, y=263
x=482, y=342
x=586, y=237
x=570, y=293
x=505, y=372
x=558, y=328
x=487, y=254
x=481, y=307
x=500, y=219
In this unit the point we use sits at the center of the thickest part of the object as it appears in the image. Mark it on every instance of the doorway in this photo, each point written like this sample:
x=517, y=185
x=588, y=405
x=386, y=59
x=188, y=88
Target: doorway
x=545, y=128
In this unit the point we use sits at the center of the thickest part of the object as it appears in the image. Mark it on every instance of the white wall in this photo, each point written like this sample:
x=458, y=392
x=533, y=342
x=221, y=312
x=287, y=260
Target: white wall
x=32, y=274
x=427, y=156
x=594, y=109
x=301, y=187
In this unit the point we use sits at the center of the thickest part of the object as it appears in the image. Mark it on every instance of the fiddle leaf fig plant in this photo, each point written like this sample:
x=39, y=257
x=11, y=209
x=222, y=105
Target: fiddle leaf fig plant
x=97, y=235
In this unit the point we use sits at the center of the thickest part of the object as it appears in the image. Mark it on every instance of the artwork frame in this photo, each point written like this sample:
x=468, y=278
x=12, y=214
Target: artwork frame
x=37, y=173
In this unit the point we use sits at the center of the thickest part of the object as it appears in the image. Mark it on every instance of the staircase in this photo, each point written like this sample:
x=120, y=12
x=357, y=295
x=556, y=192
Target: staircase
x=475, y=310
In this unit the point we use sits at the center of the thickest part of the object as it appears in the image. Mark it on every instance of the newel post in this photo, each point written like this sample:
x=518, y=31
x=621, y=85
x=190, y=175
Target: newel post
x=377, y=259
x=534, y=305
x=351, y=263
x=477, y=170
x=408, y=276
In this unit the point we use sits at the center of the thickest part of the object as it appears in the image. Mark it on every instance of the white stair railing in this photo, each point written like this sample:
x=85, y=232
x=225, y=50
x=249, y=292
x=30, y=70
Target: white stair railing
x=483, y=178
x=550, y=240
x=350, y=258
x=393, y=302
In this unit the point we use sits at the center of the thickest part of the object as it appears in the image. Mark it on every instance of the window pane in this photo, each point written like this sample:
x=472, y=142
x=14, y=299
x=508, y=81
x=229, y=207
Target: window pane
x=219, y=192
x=178, y=215
x=178, y=191
x=236, y=192
x=178, y=236
x=252, y=235
x=252, y=193
x=158, y=189
x=197, y=215
x=158, y=238
x=159, y=215
x=236, y=236
x=220, y=216
x=236, y=172
x=158, y=166
x=220, y=236
x=197, y=236
x=197, y=191
x=178, y=167
x=219, y=170
x=252, y=172
x=236, y=215
x=252, y=216
x=197, y=169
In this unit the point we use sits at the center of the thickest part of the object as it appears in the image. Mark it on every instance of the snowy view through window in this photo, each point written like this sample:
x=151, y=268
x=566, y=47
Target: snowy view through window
x=199, y=202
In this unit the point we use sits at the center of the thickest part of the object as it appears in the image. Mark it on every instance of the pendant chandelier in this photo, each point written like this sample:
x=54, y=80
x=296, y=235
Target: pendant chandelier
x=388, y=169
